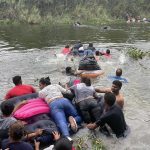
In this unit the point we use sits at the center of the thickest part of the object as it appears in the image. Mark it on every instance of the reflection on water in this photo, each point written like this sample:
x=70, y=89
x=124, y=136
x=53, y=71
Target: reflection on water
x=29, y=52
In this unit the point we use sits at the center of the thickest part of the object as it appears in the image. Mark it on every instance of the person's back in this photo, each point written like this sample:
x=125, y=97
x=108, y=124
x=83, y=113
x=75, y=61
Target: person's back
x=66, y=50
x=19, y=89
x=82, y=91
x=51, y=92
x=7, y=109
x=16, y=145
x=115, y=119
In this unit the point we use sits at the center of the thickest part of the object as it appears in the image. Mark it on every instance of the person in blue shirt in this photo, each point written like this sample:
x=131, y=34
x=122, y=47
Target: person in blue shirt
x=118, y=76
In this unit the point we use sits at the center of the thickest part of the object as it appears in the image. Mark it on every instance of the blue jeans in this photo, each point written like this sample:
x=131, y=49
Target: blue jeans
x=61, y=109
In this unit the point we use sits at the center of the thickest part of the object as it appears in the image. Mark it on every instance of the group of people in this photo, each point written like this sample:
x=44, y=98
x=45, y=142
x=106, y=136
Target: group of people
x=79, y=50
x=85, y=109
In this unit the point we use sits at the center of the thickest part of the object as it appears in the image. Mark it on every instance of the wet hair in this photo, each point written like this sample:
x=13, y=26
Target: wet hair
x=67, y=46
x=97, y=53
x=17, y=80
x=45, y=81
x=63, y=144
x=7, y=108
x=109, y=98
x=108, y=51
x=117, y=83
x=68, y=70
x=119, y=72
x=87, y=81
x=90, y=44
x=16, y=131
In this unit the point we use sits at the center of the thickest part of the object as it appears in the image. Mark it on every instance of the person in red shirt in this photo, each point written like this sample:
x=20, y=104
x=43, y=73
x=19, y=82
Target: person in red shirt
x=66, y=50
x=19, y=89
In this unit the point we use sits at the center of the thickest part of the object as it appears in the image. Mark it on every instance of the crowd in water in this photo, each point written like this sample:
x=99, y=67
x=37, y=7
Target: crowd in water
x=70, y=107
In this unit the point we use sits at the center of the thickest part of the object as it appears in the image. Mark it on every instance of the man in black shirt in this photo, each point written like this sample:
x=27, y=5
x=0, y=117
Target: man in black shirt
x=113, y=117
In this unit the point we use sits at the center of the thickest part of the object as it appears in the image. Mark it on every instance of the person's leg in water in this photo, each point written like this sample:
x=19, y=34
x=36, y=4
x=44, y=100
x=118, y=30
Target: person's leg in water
x=94, y=109
x=84, y=111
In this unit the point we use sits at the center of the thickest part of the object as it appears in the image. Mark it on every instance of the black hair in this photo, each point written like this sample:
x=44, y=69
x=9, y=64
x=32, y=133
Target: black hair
x=68, y=70
x=90, y=44
x=67, y=46
x=17, y=80
x=117, y=83
x=119, y=72
x=87, y=81
x=63, y=144
x=16, y=131
x=45, y=81
x=97, y=53
x=108, y=51
x=109, y=98
x=7, y=108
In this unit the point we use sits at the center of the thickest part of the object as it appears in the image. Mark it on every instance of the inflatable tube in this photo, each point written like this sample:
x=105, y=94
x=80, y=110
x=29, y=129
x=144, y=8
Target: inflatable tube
x=36, y=118
x=18, y=99
x=47, y=125
x=32, y=108
x=91, y=74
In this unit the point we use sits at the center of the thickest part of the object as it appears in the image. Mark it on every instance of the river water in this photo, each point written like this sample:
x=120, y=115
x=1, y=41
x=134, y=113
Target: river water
x=29, y=51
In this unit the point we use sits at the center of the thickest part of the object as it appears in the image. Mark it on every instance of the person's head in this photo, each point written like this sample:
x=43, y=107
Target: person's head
x=110, y=99
x=63, y=144
x=17, y=80
x=116, y=86
x=97, y=53
x=90, y=44
x=16, y=131
x=107, y=51
x=7, y=108
x=87, y=81
x=68, y=70
x=44, y=82
x=119, y=72
x=67, y=46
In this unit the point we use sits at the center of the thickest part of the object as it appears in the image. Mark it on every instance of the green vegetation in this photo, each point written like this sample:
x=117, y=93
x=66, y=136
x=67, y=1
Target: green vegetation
x=89, y=142
x=137, y=53
x=69, y=11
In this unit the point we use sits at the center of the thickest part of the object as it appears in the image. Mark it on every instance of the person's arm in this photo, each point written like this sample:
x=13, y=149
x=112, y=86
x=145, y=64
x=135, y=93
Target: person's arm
x=103, y=90
x=37, y=145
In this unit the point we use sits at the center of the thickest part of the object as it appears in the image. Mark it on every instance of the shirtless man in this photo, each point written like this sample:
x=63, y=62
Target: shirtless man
x=116, y=86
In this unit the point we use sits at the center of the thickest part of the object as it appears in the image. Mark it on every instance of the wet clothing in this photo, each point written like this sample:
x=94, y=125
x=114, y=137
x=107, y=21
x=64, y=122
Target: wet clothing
x=91, y=48
x=16, y=145
x=66, y=51
x=88, y=63
x=6, y=122
x=112, y=78
x=51, y=92
x=85, y=101
x=114, y=118
x=82, y=92
x=60, y=110
x=88, y=52
x=20, y=90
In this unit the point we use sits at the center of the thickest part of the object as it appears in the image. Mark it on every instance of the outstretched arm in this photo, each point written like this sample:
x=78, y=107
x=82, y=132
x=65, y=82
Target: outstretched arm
x=103, y=90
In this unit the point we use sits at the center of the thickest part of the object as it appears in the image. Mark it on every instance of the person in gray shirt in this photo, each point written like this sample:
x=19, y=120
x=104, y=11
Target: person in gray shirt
x=85, y=100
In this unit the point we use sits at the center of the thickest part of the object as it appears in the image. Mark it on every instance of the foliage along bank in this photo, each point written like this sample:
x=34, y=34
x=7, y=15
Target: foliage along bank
x=69, y=11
